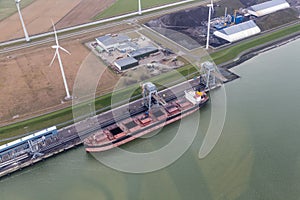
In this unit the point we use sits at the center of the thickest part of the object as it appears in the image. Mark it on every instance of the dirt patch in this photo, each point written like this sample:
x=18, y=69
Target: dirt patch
x=37, y=17
x=30, y=86
x=84, y=12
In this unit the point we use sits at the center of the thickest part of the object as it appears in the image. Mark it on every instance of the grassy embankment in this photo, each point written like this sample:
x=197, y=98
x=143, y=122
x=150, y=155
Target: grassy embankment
x=123, y=7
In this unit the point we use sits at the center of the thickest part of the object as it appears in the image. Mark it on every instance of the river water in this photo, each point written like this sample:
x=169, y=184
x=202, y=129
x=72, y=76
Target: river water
x=256, y=157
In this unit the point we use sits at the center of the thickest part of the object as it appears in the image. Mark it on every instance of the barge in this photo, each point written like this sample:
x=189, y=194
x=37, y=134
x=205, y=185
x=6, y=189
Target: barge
x=158, y=115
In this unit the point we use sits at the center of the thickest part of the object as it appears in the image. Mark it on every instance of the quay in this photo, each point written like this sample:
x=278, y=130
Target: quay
x=73, y=135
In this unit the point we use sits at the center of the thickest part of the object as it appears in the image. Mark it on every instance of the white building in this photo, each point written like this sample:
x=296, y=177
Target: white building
x=108, y=42
x=238, y=32
x=267, y=7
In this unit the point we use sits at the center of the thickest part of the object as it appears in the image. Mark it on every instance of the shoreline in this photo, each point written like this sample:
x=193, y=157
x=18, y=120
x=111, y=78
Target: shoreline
x=224, y=69
x=69, y=137
x=249, y=54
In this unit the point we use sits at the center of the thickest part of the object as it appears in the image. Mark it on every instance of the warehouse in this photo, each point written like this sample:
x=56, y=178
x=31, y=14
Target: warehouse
x=126, y=63
x=108, y=42
x=267, y=7
x=128, y=46
x=238, y=32
x=143, y=52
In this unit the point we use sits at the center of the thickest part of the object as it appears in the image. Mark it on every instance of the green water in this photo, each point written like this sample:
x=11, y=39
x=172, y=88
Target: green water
x=256, y=157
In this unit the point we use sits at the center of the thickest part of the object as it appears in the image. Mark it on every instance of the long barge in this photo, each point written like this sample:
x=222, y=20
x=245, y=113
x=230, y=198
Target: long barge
x=155, y=117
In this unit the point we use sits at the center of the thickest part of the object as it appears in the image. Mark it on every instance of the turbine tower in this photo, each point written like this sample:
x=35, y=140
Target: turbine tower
x=57, y=47
x=22, y=22
x=211, y=8
x=140, y=7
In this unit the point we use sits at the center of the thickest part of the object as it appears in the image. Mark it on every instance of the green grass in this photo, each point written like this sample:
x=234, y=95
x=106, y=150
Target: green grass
x=231, y=53
x=127, y=6
x=8, y=7
x=103, y=102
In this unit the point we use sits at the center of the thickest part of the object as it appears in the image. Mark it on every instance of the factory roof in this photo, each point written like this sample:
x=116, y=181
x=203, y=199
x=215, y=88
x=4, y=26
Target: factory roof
x=239, y=31
x=126, y=61
x=266, y=5
x=238, y=28
x=108, y=40
x=142, y=51
x=128, y=45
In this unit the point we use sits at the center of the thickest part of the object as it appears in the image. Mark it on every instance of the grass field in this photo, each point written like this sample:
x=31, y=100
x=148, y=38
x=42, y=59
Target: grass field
x=8, y=7
x=104, y=102
x=127, y=6
x=233, y=52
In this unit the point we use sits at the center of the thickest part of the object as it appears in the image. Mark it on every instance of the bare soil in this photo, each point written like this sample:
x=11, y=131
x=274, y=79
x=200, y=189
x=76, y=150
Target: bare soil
x=37, y=17
x=84, y=12
x=29, y=86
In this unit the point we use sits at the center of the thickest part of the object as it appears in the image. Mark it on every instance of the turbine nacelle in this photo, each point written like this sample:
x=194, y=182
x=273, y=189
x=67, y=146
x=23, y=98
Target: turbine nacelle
x=59, y=47
x=211, y=5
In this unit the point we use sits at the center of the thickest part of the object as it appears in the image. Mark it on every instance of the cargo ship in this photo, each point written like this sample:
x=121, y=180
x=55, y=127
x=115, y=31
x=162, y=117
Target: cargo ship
x=158, y=115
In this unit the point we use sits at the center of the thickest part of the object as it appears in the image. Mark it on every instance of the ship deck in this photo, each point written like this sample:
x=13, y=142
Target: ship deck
x=140, y=124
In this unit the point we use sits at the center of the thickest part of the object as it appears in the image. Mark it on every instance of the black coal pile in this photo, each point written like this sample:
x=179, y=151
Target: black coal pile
x=192, y=23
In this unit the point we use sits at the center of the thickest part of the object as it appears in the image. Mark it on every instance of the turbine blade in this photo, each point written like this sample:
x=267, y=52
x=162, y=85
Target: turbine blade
x=56, y=39
x=53, y=57
x=212, y=5
x=65, y=50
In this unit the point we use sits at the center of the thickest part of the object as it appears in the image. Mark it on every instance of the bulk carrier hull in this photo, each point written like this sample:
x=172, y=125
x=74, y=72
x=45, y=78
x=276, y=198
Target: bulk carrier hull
x=159, y=117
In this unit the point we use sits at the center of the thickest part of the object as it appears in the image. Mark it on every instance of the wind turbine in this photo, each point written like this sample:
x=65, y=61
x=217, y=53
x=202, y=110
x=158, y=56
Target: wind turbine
x=140, y=7
x=211, y=8
x=57, y=47
x=22, y=22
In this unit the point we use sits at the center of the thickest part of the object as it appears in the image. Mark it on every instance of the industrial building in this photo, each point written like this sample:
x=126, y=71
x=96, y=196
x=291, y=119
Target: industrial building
x=143, y=52
x=126, y=63
x=267, y=7
x=127, y=46
x=238, y=32
x=109, y=42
